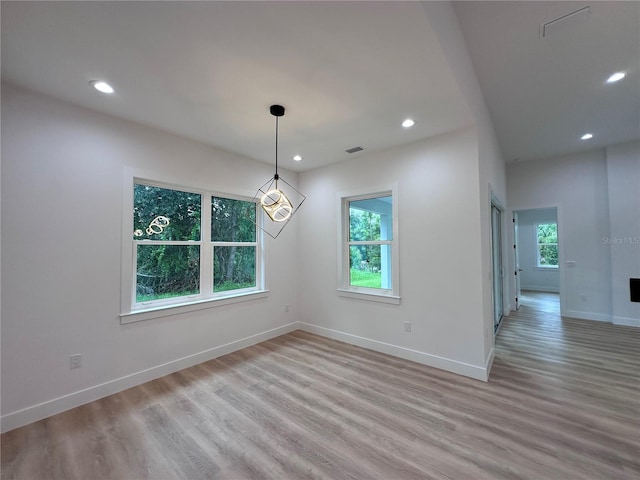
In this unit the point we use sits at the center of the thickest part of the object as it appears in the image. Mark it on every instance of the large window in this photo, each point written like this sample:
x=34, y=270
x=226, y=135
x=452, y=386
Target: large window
x=369, y=263
x=191, y=246
x=547, y=245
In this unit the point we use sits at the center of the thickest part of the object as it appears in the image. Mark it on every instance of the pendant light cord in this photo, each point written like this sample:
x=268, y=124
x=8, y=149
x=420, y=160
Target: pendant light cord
x=276, y=176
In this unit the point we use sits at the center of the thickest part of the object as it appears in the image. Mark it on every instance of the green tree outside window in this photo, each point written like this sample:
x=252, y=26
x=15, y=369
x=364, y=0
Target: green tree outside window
x=547, y=236
x=169, y=241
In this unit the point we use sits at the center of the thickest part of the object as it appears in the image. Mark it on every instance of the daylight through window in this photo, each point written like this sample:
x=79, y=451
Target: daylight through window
x=368, y=255
x=370, y=236
x=233, y=235
x=547, y=245
x=191, y=246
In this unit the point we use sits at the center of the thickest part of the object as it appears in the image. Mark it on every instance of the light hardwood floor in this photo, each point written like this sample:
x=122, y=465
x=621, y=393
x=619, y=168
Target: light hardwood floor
x=562, y=403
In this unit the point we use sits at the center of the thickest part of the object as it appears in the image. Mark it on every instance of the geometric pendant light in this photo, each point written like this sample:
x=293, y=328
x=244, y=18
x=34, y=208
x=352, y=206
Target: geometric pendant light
x=278, y=199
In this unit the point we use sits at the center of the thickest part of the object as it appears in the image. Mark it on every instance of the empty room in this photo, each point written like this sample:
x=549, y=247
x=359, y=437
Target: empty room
x=332, y=240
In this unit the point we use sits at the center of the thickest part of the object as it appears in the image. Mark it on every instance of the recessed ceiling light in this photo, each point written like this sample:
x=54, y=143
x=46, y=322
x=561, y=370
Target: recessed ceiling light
x=101, y=86
x=408, y=123
x=297, y=158
x=586, y=136
x=616, y=77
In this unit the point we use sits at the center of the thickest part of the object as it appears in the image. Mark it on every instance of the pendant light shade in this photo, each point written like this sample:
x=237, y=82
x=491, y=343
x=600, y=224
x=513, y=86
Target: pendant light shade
x=278, y=199
x=276, y=204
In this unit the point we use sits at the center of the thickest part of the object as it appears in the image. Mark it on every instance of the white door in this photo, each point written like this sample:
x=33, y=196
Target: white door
x=516, y=259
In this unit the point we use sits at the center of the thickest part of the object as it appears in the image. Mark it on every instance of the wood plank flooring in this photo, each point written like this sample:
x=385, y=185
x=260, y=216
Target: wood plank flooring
x=562, y=403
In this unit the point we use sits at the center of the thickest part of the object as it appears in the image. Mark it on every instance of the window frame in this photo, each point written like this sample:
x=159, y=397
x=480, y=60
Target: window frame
x=132, y=311
x=258, y=243
x=538, y=244
x=345, y=289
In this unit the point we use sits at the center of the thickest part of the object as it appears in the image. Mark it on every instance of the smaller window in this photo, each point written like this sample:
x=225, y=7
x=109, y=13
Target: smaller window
x=547, y=245
x=369, y=256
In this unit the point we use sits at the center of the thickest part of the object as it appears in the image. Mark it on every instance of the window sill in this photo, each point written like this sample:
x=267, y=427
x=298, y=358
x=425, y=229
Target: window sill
x=168, y=310
x=369, y=296
x=546, y=269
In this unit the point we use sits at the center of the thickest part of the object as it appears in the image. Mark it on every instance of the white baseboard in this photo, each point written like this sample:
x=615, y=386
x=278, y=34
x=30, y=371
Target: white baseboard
x=489, y=362
x=627, y=321
x=598, y=317
x=468, y=370
x=540, y=288
x=46, y=409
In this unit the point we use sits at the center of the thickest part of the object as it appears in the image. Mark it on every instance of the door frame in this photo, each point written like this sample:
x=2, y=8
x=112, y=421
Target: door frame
x=517, y=293
x=494, y=202
x=561, y=257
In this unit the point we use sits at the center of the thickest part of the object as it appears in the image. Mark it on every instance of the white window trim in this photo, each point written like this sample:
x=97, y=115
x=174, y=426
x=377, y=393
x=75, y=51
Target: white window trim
x=390, y=296
x=535, y=241
x=180, y=305
x=259, y=244
x=239, y=296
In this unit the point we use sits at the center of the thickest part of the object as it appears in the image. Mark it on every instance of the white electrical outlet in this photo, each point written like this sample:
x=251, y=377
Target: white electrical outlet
x=75, y=361
x=407, y=326
x=286, y=307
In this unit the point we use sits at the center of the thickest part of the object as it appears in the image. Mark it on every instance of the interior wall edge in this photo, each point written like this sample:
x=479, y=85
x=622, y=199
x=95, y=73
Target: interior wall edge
x=468, y=370
x=33, y=413
x=489, y=362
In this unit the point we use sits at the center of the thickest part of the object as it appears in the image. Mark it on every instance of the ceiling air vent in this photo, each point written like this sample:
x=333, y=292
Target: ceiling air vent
x=560, y=23
x=354, y=149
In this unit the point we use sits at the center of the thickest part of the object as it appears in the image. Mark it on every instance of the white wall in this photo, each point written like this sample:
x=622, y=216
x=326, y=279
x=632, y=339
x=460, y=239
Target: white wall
x=62, y=181
x=533, y=277
x=493, y=187
x=623, y=240
x=577, y=186
x=491, y=165
x=440, y=265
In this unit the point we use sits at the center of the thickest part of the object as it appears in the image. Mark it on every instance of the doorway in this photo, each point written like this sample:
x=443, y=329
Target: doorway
x=496, y=264
x=535, y=253
x=517, y=272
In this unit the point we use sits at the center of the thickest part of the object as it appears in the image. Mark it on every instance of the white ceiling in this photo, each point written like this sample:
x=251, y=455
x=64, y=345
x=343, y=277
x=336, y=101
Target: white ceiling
x=348, y=73
x=544, y=93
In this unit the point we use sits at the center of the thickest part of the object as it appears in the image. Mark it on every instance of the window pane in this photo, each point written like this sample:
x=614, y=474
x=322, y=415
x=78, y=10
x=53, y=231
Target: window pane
x=166, y=271
x=232, y=220
x=165, y=214
x=548, y=233
x=370, y=219
x=370, y=266
x=548, y=255
x=234, y=268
